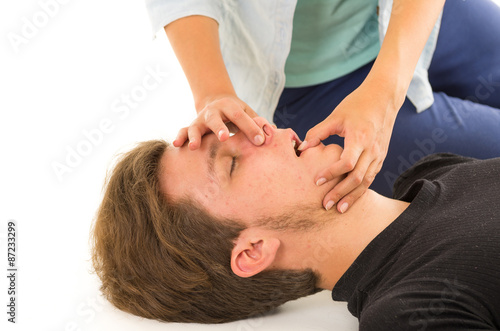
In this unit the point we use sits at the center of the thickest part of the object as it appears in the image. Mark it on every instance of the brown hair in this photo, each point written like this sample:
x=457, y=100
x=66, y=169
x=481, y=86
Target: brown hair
x=171, y=261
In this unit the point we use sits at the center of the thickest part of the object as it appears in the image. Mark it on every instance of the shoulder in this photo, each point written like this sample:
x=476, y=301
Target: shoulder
x=446, y=168
x=430, y=167
x=430, y=305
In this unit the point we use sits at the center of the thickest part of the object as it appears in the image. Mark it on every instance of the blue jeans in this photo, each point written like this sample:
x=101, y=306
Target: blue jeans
x=465, y=76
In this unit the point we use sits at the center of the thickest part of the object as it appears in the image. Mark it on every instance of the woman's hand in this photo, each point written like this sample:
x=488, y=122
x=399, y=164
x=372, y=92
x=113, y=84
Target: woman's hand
x=195, y=41
x=213, y=117
x=365, y=120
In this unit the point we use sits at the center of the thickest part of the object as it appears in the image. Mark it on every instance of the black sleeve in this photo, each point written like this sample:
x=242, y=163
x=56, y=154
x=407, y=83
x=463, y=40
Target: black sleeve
x=428, y=168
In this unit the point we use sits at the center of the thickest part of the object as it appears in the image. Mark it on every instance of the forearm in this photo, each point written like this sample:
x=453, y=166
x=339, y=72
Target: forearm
x=195, y=41
x=410, y=25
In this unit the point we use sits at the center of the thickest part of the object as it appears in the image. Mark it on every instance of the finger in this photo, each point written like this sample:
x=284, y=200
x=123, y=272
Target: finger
x=249, y=111
x=214, y=123
x=347, y=162
x=247, y=125
x=181, y=138
x=333, y=171
x=260, y=121
x=194, y=136
x=319, y=132
x=353, y=180
x=347, y=201
x=348, y=184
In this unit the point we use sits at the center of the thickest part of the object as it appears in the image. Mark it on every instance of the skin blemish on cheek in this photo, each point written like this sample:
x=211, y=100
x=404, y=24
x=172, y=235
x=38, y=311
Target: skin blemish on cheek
x=212, y=187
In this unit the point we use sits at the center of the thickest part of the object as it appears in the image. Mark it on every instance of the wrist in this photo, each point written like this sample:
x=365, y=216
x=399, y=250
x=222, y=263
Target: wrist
x=202, y=101
x=389, y=88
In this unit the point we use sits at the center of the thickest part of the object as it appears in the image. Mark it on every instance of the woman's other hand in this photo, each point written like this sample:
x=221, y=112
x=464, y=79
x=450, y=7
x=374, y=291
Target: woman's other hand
x=365, y=120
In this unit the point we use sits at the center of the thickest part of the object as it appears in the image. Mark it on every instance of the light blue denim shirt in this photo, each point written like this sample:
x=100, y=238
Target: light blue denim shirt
x=255, y=39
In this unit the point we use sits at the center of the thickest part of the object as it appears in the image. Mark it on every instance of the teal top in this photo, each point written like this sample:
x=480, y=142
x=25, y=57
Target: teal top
x=331, y=38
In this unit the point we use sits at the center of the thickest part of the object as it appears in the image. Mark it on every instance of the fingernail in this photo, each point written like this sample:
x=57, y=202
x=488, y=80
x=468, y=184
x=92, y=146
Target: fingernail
x=221, y=132
x=302, y=146
x=321, y=181
x=259, y=139
x=329, y=205
x=343, y=207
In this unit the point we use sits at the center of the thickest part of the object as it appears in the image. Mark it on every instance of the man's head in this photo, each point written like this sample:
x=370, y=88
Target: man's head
x=175, y=241
x=237, y=179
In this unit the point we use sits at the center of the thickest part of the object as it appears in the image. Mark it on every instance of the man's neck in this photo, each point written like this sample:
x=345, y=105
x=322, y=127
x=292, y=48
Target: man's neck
x=333, y=248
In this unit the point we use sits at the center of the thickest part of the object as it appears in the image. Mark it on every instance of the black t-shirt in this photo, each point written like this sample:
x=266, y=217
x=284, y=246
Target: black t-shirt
x=437, y=266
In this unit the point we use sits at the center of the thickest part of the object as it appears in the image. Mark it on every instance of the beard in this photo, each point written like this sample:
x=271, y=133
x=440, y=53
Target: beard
x=298, y=218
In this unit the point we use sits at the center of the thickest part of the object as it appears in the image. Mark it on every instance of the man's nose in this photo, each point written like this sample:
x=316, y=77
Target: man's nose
x=267, y=128
x=269, y=133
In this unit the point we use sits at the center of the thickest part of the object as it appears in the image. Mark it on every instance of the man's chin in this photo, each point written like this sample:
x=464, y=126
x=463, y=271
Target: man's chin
x=322, y=155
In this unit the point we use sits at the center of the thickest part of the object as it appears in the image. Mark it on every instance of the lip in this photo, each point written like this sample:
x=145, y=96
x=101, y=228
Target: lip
x=295, y=138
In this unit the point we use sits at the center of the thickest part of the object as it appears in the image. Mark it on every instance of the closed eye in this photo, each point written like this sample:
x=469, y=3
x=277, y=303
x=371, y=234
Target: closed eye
x=233, y=164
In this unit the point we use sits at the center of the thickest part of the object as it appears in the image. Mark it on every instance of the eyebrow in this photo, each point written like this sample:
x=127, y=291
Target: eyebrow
x=212, y=156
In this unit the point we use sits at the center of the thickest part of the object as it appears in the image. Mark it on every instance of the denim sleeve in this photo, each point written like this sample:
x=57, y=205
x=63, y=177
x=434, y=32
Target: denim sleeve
x=163, y=12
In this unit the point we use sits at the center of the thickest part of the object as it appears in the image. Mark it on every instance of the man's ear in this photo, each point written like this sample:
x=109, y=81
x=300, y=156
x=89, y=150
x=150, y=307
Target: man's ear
x=253, y=252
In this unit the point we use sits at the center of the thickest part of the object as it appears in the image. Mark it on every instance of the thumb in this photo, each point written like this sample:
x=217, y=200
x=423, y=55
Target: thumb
x=319, y=132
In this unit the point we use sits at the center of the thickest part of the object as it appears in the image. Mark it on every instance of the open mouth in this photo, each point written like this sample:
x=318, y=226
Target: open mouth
x=296, y=143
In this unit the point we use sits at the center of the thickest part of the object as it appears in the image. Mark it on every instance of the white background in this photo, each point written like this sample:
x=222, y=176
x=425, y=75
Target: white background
x=61, y=75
